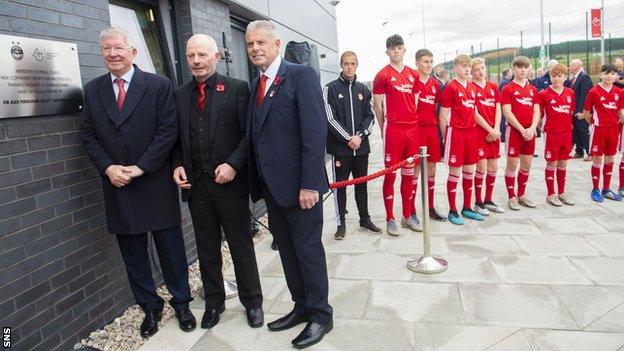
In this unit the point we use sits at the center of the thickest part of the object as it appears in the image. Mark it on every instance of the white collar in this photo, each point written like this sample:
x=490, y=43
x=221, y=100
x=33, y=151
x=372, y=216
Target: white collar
x=126, y=77
x=271, y=71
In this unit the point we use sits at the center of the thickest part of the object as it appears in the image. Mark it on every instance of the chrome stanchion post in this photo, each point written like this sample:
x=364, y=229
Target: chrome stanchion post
x=426, y=264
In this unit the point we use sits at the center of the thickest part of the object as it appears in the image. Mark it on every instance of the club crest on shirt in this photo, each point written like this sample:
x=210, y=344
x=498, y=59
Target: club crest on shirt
x=360, y=96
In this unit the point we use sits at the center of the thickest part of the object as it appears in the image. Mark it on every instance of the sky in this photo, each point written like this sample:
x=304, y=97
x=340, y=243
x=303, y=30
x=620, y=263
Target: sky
x=452, y=25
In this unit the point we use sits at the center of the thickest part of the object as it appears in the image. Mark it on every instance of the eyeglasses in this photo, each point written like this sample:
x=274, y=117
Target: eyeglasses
x=113, y=49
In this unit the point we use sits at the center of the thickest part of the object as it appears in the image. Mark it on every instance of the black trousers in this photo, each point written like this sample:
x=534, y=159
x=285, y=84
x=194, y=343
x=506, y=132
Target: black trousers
x=580, y=135
x=298, y=236
x=172, y=256
x=210, y=213
x=343, y=167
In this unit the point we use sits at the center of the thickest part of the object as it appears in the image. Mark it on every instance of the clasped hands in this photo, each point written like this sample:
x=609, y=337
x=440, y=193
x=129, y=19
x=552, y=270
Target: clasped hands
x=120, y=176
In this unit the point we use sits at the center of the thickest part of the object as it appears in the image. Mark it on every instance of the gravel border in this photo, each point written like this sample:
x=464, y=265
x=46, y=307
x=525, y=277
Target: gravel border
x=122, y=334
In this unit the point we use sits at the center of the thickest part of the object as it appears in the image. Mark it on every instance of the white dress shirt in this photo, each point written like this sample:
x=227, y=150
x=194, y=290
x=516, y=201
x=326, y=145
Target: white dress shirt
x=127, y=79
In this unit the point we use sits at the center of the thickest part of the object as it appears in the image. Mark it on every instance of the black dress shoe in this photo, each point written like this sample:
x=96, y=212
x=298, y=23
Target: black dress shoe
x=149, y=326
x=436, y=216
x=186, y=320
x=211, y=317
x=274, y=245
x=255, y=317
x=312, y=334
x=288, y=321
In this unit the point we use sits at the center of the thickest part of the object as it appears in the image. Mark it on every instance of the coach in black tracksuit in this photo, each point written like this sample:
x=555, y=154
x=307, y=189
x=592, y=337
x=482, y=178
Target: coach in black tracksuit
x=350, y=121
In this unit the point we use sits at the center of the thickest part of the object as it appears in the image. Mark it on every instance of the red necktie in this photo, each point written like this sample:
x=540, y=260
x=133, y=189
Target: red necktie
x=201, y=99
x=261, y=88
x=122, y=92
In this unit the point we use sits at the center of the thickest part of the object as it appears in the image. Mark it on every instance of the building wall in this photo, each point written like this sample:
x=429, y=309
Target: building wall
x=61, y=275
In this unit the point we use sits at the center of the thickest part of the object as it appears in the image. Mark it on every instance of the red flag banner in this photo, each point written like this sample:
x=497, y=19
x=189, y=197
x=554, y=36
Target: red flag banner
x=596, y=23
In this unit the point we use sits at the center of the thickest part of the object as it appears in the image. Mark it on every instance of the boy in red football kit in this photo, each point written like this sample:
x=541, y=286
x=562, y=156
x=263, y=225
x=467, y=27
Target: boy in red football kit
x=395, y=110
x=606, y=106
x=458, y=122
x=488, y=137
x=428, y=91
x=557, y=104
x=522, y=112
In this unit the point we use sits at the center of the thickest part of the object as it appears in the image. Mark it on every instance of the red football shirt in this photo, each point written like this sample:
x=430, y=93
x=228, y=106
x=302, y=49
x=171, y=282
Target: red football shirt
x=461, y=101
x=487, y=98
x=521, y=98
x=604, y=105
x=400, y=101
x=557, y=109
x=429, y=96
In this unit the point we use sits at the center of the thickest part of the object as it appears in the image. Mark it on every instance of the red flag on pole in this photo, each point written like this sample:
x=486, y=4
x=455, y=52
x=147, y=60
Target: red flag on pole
x=596, y=23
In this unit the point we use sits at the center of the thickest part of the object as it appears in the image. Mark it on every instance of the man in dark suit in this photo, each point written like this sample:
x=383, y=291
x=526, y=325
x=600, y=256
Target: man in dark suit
x=211, y=169
x=581, y=83
x=128, y=129
x=287, y=130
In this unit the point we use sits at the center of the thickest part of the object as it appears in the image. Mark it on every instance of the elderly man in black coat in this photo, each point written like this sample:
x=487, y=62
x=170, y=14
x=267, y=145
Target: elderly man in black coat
x=129, y=128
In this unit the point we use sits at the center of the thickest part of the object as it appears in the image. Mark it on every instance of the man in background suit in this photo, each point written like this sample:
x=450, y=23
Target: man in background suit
x=580, y=82
x=128, y=129
x=287, y=130
x=211, y=169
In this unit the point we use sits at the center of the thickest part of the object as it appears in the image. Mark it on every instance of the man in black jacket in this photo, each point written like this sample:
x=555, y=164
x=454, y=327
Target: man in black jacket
x=211, y=169
x=350, y=122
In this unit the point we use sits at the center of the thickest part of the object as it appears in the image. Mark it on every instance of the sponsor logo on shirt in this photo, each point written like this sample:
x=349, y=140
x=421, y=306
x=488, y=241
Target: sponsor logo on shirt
x=404, y=88
x=525, y=101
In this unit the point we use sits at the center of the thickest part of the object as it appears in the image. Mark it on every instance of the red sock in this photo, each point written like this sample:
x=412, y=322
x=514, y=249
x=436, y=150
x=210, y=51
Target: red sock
x=490, y=179
x=549, y=176
x=388, y=194
x=523, y=178
x=595, y=174
x=510, y=182
x=622, y=173
x=451, y=191
x=478, y=186
x=407, y=191
x=431, y=188
x=561, y=178
x=467, y=181
x=607, y=171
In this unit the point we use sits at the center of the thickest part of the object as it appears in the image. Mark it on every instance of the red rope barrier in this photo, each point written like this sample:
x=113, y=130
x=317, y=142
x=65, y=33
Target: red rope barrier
x=372, y=176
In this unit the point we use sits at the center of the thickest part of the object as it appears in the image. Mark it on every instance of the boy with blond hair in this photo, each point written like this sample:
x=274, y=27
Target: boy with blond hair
x=557, y=105
x=488, y=137
x=458, y=122
x=521, y=109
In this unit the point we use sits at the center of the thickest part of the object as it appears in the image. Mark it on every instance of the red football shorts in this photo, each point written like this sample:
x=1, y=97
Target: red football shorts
x=400, y=142
x=603, y=140
x=557, y=146
x=460, y=147
x=516, y=145
x=429, y=136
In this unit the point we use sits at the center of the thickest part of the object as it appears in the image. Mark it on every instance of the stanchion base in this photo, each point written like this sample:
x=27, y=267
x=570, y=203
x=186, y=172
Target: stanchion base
x=231, y=288
x=427, y=265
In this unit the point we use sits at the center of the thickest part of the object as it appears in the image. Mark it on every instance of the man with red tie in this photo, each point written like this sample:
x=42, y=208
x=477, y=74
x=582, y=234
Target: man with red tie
x=211, y=169
x=287, y=132
x=129, y=128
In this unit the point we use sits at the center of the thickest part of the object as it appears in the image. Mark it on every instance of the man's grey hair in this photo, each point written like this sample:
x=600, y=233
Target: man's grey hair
x=551, y=64
x=263, y=24
x=212, y=44
x=114, y=32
